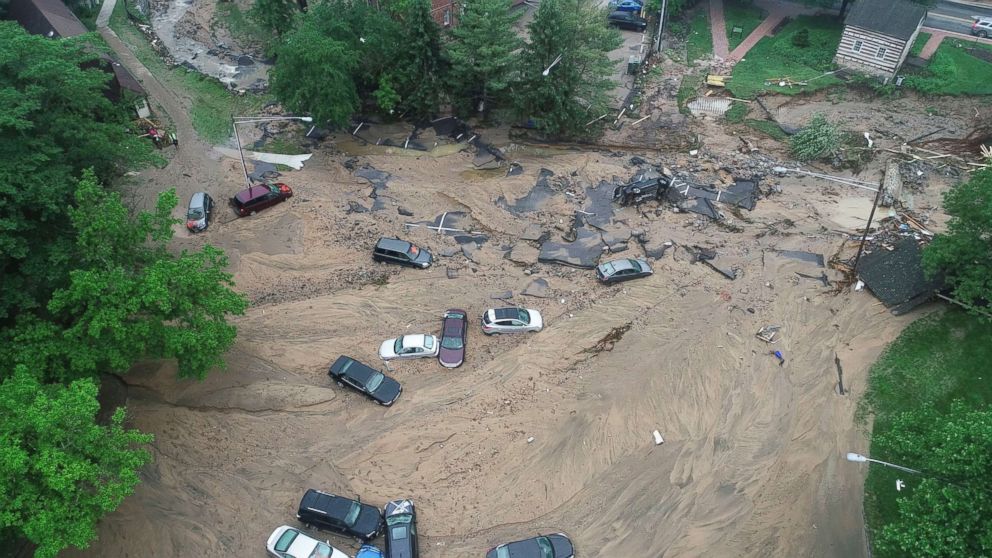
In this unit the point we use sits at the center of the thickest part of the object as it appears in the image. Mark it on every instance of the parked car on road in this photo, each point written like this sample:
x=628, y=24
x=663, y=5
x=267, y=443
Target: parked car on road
x=511, y=320
x=627, y=20
x=201, y=207
x=982, y=27
x=626, y=6
x=380, y=387
x=394, y=250
x=544, y=546
x=623, y=270
x=287, y=542
x=324, y=510
x=454, y=333
x=409, y=346
x=252, y=200
x=401, y=530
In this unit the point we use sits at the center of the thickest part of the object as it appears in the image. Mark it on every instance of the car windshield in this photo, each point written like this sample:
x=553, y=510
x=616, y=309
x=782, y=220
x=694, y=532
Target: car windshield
x=452, y=343
x=194, y=213
x=321, y=551
x=352, y=516
x=607, y=268
x=398, y=533
x=636, y=266
x=523, y=316
x=547, y=551
x=398, y=519
x=273, y=188
x=502, y=552
x=428, y=342
x=285, y=540
x=398, y=345
x=375, y=381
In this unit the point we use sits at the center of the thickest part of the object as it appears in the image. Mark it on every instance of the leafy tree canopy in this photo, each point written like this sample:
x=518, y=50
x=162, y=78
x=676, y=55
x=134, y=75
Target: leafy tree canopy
x=948, y=511
x=818, y=139
x=129, y=298
x=419, y=72
x=275, y=16
x=964, y=252
x=60, y=471
x=55, y=122
x=575, y=90
x=484, y=53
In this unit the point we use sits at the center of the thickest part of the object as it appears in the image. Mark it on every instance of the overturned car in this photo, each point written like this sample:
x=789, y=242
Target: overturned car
x=646, y=185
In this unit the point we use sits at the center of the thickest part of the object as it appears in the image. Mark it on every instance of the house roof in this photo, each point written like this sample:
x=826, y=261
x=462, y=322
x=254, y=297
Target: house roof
x=50, y=18
x=896, y=18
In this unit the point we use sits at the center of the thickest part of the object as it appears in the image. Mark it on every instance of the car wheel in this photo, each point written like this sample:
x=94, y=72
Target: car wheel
x=340, y=383
x=252, y=214
x=984, y=35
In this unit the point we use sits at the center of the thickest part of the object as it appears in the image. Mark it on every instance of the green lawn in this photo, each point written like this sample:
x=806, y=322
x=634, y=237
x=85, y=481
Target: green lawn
x=700, y=41
x=768, y=128
x=952, y=71
x=919, y=43
x=776, y=57
x=936, y=360
x=740, y=13
x=212, y=103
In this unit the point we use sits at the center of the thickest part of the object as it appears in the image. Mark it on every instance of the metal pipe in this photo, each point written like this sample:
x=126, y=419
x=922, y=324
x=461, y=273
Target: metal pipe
x=861, y=247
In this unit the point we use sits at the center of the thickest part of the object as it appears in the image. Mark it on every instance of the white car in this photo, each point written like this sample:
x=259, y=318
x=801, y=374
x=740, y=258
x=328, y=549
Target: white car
x=511, y=320
x=409, y=346
x=287, y=542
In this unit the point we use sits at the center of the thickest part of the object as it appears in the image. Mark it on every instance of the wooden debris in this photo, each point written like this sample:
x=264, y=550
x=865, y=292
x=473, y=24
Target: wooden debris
x=717, y=81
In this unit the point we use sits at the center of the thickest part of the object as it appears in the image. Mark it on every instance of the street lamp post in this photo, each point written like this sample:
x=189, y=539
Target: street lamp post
x=235, y=120
x=548, y=69
x=858, y=458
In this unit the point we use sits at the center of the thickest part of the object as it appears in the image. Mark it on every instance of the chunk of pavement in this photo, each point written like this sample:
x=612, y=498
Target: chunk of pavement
x=655, y=249
x=810, y=257
x=355, y=207
x=469, y=250
x=505, y=295
x=722, y=267
x=617, y=247
x=404, y=211
x=583, y=252
x=537, y=288
x=523, y=254
x=635, y=160
x=450, y=251
x=485, y=160
x=532, y=232
x=515, y=169
x=617, y=241
x=451, y=272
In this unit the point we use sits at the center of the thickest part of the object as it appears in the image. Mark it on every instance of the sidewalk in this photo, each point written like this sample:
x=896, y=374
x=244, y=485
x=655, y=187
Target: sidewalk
x=776, y=11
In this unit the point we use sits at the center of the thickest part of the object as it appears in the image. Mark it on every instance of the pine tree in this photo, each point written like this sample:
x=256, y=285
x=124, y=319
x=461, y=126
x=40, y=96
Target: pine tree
x=419, y=78
x=484, y=55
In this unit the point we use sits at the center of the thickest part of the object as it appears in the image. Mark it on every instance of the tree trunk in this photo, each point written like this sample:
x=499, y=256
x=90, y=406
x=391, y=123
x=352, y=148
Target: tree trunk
x=843, y=8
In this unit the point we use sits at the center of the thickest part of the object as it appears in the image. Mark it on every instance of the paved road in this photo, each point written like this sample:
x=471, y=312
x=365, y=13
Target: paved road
x=955, y=16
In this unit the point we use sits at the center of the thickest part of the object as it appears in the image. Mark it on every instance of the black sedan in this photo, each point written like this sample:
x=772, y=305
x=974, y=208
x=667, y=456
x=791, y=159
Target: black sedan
x=337, y=513
x=401, y=530
x=542, y=546
x=454, y=328
x=627, y=20
x=380, y=387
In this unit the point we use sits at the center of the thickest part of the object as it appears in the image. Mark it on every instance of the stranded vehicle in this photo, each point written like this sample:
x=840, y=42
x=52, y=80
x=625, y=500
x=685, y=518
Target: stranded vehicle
x=201, y=206
x=380, y=387
x=394, y=250
x=401, y=530
x=623, y=270
x=454, y=330
x=511, y=320
x=287, y=542
x=542, y=546
x=254, y=199
x=324, y=510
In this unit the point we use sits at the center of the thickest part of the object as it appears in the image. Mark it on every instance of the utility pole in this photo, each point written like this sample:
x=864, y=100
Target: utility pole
x=861, y=248
x=661, y=25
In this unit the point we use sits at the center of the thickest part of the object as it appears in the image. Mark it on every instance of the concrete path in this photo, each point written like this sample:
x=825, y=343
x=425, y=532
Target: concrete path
x=938, y=35
x=765, y=28
x=718, y=28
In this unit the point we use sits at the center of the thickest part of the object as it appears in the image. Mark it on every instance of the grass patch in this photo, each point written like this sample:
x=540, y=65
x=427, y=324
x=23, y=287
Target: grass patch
x=745, y=15
x=768, y=128
x=236, y=22
x=919, y=43
x=736, y=113
x=777, y=57
x=212, y=102
x=283, y=146
x=86, y=14
x=936, y=360
x=699, y=43
x=687, y=90
x=952, y=71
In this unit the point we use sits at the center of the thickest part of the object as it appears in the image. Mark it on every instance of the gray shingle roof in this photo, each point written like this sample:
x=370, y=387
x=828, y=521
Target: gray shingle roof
x=896, y=18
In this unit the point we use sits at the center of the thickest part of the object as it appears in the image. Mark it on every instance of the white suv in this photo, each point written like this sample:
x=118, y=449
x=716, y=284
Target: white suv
x=982, y=27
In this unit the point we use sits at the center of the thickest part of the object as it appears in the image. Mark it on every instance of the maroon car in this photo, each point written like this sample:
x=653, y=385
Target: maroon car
x=256, y=198
x=454, y=328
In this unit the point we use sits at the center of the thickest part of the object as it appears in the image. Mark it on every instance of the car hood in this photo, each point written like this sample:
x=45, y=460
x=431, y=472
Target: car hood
x=536, y=319
x=386, y=349
x=196, y=224
x=423, y=256
x=369, y=521
x=388, y=391
x=451, y=357
x=563, y=546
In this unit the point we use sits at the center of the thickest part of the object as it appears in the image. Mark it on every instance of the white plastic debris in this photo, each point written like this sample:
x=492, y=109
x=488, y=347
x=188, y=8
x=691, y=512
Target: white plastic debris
x=658, y=440
x=693, y=152
x=900, y=485
x=531, y=439
x=859, y=285
x=870, y=142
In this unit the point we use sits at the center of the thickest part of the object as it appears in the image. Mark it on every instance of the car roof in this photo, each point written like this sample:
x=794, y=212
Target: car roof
x=622, y=264
x=393, y=244
x=504, y=313
x=416, y=340
x=249, y=194
x=329, y=504
x=357, y=370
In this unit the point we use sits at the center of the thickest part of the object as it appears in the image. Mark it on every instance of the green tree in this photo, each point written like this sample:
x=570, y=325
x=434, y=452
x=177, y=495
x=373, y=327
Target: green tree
x=818, y=139
x=964, y=253
x=484, y=54
x=55, y=122
x=313, y=72
x=275, y=16
x=947, y=512
x=419, y=71
x=130, y=298
x=60, y=471
x=576, y=89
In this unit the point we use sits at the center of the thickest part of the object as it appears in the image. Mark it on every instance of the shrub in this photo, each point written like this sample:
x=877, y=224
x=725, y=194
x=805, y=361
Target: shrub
x=818, y=139
x=801, y=38
x=736, y=113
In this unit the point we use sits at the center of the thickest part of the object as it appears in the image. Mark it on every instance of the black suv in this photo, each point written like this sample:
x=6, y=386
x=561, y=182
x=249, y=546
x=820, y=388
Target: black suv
x=401, y=530
x=380, y=387
x=627, y=20
x=343, y=515
x=394, y=250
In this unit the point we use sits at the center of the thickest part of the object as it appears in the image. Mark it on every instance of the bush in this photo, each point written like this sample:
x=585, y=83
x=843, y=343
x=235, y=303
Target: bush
x=818, y=139
x=736, y=113
x=801, y=38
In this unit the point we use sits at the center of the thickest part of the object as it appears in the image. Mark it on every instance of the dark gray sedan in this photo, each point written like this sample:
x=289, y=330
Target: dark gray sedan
x=544, y=546
x=623, y=270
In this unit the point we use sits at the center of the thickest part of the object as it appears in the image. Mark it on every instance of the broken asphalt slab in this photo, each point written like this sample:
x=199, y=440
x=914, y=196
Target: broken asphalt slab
x=538, y=288
x=896, y=277
x=535, y=198
x=583, y=252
